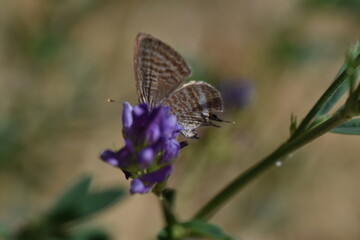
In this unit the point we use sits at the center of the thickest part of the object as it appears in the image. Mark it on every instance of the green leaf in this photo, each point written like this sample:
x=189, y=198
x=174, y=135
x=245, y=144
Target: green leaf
x=351, y=127
x=293, y=123
x=163, y=235
x=335, y=96
x=76, y=192
x=96, y=202
x=332, y=95
x=78, y=203
x=319, y=121
x=65, y=208
x=90, y=234
x=5, y=232
x=351, y=5
x=204, y=229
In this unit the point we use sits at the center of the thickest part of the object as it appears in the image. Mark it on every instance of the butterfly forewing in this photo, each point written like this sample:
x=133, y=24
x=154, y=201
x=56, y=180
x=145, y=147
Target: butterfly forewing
x=194, y=104
x=159, y=69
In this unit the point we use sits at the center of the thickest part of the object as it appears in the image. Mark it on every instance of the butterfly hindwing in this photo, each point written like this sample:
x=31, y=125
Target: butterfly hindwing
x=194, y=105
x=159, y=69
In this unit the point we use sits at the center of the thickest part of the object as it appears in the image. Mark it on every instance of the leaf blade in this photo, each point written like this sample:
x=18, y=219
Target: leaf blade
x=204, y=229
x=64, y=208
x=351, y=127
x=335, y=91
x=95, y=202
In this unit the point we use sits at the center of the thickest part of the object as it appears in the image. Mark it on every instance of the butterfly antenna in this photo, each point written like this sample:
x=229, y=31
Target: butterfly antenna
x=212, y=125
x=215, y=118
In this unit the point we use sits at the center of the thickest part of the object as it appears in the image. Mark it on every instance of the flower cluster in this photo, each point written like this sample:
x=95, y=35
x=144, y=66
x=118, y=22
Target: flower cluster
x=150, y=146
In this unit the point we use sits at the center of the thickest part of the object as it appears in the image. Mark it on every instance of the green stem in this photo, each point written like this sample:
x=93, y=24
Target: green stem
x=167, y=203
x=243, y=179
x=349, y=70
x=320, y=103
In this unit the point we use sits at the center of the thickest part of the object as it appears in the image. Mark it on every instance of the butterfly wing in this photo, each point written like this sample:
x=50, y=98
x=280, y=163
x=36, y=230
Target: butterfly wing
x=194, y=105
x=159, y=69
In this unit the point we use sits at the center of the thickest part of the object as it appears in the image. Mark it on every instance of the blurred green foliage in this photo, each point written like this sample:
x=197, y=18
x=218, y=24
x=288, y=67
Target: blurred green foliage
x=76, y=204
x=351, y=5
x=288, y=49
x=50, y=36
x=33, y=117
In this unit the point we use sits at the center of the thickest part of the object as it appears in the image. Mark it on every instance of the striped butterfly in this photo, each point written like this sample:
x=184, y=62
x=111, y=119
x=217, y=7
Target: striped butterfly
x=160, y=71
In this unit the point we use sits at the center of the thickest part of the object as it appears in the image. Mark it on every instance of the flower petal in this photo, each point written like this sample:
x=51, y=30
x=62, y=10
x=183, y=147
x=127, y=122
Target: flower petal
x=127, y=118
x=146, y=157
x=121, y=158
x=137, y=186
x=110, y=157
x=157, y=176
x=171, y=150
x=152, y=133
x=168, y=125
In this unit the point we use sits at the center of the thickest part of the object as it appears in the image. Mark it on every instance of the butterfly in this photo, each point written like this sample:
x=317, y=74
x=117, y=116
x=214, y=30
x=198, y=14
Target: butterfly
x=160, y=73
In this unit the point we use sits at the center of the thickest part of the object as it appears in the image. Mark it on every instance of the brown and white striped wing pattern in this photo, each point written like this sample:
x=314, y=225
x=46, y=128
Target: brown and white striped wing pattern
x=194, y=105
x=159, y=69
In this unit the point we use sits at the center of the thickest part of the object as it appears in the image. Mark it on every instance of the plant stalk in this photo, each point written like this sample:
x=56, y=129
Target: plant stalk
x=312, y=113
x=243, y=179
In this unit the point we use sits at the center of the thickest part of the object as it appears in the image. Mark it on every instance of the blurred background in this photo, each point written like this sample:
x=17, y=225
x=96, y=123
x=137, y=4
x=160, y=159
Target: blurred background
x=61, y=60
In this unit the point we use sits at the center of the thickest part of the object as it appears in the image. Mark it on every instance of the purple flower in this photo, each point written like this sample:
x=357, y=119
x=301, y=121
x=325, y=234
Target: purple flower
x=127, y=118
x=146, y=157
x=144, y=183
x=171, y=150
x=150, y=146
x=121, y=158
x=137, y=186
x=157, y=176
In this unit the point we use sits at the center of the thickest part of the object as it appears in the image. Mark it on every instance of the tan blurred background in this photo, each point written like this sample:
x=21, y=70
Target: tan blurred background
x=61, y=60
